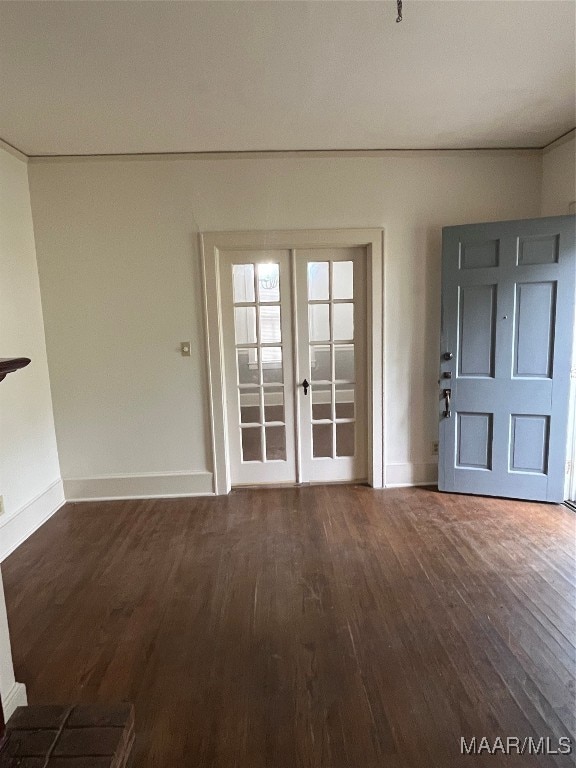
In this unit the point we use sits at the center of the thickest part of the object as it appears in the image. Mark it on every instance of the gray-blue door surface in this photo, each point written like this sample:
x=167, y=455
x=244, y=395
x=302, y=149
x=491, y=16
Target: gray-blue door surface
x=507, y=323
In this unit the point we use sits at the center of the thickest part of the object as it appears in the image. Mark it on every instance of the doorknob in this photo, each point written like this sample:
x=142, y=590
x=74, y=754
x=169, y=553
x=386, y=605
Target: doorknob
x=305, y=384
x=446, y=394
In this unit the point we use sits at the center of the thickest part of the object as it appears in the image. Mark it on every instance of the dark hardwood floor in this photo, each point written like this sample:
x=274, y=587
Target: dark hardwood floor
x=322, y=627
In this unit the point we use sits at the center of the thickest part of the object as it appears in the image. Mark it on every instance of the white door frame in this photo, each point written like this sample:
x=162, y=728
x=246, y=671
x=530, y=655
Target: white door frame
x=211, y=244
x=570, y=485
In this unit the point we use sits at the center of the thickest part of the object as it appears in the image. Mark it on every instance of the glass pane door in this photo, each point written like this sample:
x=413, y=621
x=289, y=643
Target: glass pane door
x=332, y=339
x=259, y=370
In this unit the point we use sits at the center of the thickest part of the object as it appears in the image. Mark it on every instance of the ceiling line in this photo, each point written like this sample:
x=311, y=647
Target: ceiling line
x=559, y=138
x=260, y=152
x=10, y=147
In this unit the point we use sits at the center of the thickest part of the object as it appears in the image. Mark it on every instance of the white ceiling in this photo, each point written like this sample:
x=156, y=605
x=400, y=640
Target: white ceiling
x=121, y=77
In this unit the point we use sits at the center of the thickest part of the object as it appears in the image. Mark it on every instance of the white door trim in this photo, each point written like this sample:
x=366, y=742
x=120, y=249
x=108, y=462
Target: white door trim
x=570, y=484
x=211, y=244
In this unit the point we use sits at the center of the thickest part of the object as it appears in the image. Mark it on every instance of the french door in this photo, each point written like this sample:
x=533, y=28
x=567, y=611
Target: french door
x=331, y=325
x=294, y=348
x=259, y=365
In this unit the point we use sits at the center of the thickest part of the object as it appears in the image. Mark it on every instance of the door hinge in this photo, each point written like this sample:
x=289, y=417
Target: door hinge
x=573, y=373
x=568, y=467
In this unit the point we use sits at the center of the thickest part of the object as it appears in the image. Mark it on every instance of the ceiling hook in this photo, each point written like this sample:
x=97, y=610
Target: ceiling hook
x=399, y=6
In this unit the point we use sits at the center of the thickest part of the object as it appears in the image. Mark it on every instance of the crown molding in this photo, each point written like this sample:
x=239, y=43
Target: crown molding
x=12, y=150
x=281, y=153
x=568, y=136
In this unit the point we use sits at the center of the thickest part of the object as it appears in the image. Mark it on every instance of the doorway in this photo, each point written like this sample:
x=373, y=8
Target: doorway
x=292, y=341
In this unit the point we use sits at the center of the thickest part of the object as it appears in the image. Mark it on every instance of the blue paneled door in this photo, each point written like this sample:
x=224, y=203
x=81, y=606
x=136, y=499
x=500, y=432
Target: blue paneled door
x=508, y=292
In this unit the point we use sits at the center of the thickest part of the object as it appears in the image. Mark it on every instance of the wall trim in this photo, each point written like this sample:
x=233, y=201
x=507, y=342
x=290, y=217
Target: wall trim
x=266, y=154
x=14, y=151
x=16, y=697
x=564, y=139
x=18, y=526
x=409, y=474
x=138, y=486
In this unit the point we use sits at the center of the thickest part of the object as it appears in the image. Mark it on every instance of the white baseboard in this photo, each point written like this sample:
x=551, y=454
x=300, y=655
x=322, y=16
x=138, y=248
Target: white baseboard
x=16, y=697
x=143, y=486
x=20, y=524
x=405, y=475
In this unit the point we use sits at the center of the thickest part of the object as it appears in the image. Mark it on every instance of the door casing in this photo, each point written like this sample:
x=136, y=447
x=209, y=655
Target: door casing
x=211, y=244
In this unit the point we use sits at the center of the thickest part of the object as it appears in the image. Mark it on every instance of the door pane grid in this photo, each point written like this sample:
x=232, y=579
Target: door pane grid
x=274, y=406
x=250, y=404
x=260, y=360
x=332, y=370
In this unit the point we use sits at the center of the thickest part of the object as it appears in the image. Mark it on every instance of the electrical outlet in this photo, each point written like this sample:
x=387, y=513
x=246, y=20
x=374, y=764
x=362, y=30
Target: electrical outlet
x=2, y=510
x=435, y=448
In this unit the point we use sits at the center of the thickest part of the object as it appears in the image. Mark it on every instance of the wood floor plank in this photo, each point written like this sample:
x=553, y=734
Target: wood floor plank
x=319, y=627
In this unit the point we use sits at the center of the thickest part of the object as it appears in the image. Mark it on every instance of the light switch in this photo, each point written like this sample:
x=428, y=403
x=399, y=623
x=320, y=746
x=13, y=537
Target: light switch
x=185, y=348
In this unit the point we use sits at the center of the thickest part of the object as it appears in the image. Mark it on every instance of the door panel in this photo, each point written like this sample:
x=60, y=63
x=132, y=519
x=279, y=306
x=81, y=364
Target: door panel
x=474, y=440
x=477, y=330
x=529, y=443
x=535, y=319
x=507, y=325
x=331, y=324
x=479, y=254
x=258, y=364
x=538, y=249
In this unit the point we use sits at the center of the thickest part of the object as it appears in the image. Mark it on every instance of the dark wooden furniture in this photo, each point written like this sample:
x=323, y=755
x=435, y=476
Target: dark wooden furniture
x=83, y=736
x=11, y=364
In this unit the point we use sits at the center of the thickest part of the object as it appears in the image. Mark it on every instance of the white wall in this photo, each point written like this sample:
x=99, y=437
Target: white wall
x=559, y=176
x=29, y=470
x=120, y=276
